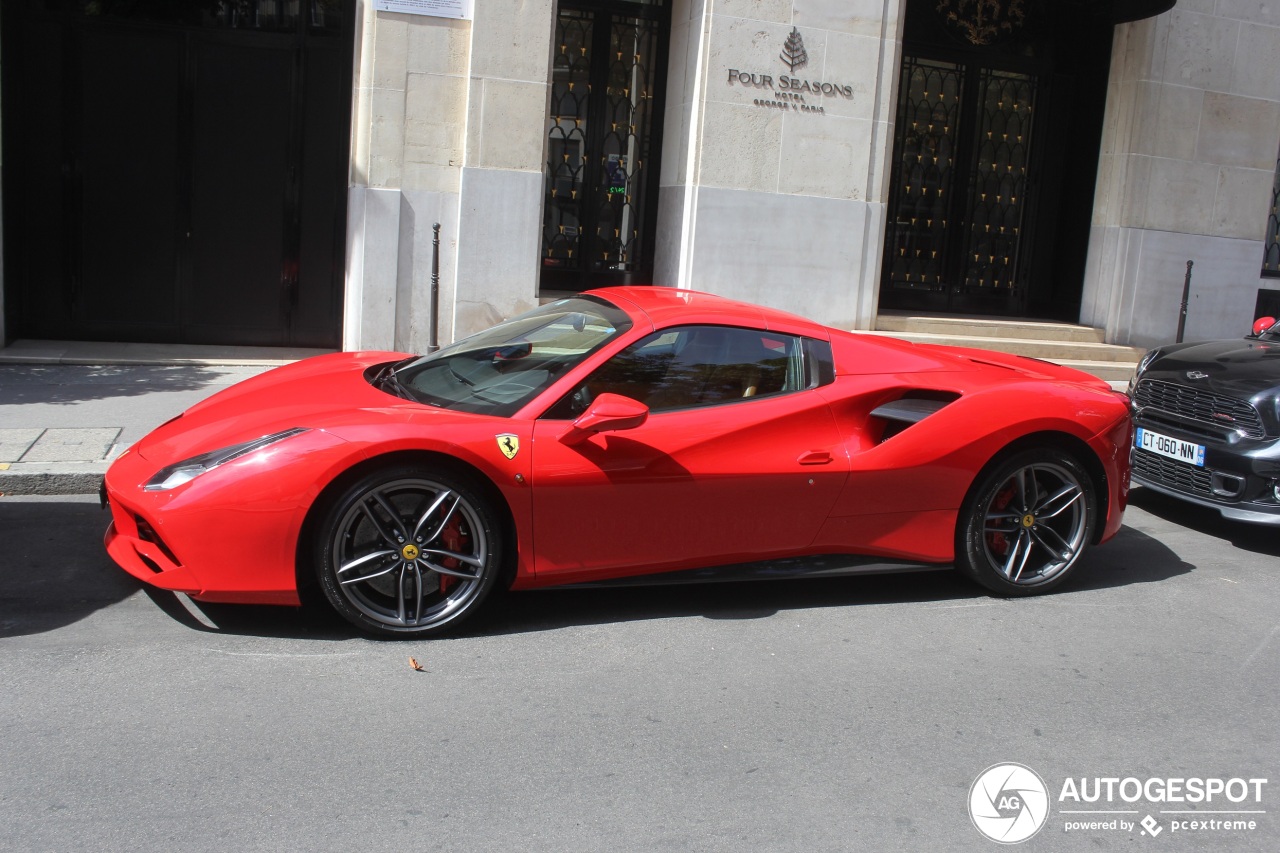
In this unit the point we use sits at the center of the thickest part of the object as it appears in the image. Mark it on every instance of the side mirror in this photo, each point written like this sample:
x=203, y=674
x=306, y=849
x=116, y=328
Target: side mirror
x=607, y=412
x=1261, y=324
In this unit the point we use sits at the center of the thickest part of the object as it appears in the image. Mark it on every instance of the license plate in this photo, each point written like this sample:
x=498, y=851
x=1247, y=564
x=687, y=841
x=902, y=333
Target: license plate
x=1174, y=448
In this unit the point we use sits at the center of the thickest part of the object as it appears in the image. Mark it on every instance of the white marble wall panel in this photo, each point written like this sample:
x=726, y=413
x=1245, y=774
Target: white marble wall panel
x=373, y=250
x=857, y=17
x=1135, y=278
x=1253, y=11
x=1189, y=146
x=1200, y=50
x=798, y=253
x=746, y=186
x=1242, y=204
x=1238, y=131
x=420, y=210
x=1257, y=60
x=499, y=240
x=449, y=127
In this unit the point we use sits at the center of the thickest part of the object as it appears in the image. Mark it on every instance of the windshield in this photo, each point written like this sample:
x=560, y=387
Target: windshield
x=499, y=370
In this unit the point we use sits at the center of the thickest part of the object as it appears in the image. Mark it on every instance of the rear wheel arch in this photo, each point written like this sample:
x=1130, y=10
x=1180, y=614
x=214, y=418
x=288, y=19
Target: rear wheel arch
x=304, y=557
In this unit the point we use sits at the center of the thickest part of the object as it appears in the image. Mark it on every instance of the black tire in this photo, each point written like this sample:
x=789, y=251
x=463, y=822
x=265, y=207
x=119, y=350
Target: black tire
x=409, y=551
x=1026, y=521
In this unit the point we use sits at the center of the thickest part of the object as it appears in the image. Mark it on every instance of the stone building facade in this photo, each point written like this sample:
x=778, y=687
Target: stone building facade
x=767, y=150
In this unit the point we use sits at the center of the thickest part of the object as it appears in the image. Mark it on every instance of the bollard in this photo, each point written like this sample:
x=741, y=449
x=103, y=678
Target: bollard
x=1186, y=294
x=433, y=338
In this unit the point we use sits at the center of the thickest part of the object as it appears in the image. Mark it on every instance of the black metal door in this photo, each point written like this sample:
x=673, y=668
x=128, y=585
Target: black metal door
x=999, y=123
x=957, y=218
x=604, y=136
x=200, y=165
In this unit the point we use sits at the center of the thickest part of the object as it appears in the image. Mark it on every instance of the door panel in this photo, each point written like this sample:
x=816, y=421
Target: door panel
x=958, y=204
x=176, y=172
x=239, y=183
x=734, y=482
x=129, y=179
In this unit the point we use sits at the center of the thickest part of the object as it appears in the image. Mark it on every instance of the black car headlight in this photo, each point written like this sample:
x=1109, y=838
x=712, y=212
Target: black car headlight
x=172, y=476
x=1143, y=364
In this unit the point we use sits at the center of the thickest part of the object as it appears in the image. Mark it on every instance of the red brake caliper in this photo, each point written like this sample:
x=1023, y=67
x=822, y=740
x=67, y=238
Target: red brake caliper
x=999, y=542
x=454, y=539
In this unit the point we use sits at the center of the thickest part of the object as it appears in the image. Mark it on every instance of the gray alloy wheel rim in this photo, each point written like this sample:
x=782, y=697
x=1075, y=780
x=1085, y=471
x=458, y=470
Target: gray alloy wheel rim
x=1040, y=531
x=377, y=570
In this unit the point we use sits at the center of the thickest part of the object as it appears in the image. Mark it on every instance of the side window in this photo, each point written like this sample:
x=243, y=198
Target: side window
x=695, y=366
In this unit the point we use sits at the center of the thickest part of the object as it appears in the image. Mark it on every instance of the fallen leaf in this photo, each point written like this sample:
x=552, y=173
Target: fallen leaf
x=413, y=662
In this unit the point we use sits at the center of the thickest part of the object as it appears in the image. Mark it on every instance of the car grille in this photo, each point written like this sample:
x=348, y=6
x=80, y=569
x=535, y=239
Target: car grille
x=1172, y=474
x=1217, y=412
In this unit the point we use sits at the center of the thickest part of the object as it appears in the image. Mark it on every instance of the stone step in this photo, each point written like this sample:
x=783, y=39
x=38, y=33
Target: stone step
x=987, y=327
x=1050, y=350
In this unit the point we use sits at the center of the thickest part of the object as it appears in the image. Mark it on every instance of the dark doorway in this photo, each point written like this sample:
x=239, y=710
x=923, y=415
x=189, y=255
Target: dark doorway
x=995, y=159
x=176, y=170
x=604, y=130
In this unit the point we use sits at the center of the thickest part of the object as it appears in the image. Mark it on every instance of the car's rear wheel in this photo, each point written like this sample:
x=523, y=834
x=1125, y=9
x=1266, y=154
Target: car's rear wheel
x=1026, y=522
x=409, y=551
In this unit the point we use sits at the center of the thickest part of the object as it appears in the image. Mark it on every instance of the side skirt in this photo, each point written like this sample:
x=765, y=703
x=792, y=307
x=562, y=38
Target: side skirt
x=826, y=566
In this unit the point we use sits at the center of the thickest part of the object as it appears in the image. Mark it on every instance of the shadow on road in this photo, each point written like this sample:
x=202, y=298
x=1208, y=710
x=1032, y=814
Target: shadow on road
x=57, y=573
x=1258, y=538
x=69, y=384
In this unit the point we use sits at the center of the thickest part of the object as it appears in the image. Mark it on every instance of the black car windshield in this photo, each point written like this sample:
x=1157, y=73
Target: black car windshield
x=1272, y=334
x=499, y=370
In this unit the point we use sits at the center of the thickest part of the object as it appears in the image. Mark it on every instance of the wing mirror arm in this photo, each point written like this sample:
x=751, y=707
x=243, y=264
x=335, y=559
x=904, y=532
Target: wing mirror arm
x=607, y=413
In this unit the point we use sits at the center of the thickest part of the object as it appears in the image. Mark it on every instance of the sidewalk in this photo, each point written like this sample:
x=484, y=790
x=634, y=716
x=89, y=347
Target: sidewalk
x=68, y=409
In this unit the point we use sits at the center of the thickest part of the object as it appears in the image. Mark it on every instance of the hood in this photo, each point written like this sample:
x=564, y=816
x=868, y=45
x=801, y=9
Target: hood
x=1240, y=368
x=327, y=392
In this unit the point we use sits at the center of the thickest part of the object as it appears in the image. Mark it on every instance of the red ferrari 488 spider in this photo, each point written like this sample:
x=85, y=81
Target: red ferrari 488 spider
x=623, y=433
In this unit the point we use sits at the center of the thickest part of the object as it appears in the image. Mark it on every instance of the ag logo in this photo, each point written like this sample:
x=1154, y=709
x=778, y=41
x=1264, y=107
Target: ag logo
x=509, y=445
x=1008, y=803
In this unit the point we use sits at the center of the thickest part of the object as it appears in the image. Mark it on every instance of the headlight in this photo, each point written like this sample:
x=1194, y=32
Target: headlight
x=172, y=476
x=1143, y=364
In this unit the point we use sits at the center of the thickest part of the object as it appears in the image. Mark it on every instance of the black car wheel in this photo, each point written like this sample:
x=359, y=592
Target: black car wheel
x=1026, y=521
x=409, y=551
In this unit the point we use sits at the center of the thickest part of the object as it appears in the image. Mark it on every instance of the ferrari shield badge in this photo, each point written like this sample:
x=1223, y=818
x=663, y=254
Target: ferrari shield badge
x=509, y=445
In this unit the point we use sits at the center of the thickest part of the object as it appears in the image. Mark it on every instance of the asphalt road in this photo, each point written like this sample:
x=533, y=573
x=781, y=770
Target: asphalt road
x=834, y=715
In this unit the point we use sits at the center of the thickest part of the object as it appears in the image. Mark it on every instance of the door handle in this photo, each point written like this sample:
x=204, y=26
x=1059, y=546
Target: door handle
x=815, y=457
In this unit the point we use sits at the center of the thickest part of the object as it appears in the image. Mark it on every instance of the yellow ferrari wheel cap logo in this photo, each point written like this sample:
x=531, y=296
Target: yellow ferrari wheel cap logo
x=1028, y=520
x=409, y=552
x=509, y=445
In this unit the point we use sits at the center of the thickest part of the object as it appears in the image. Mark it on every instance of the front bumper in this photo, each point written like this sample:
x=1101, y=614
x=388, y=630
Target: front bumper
x=1237, y=481
x=230, y=535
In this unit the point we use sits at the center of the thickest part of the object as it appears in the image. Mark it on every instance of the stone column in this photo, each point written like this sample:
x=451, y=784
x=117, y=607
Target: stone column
x=447, y=127
x=776, y=154
x=1188, y=158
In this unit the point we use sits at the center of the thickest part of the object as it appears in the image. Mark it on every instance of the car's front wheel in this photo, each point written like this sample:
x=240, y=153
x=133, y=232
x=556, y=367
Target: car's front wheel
x=1026, y=522
x=408, y=551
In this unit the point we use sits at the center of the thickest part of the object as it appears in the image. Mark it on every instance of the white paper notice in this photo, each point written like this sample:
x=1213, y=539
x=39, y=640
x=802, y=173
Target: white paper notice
x=437, y=8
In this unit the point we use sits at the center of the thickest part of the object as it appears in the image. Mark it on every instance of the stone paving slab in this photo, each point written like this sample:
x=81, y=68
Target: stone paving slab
x=72, y=445
x=15, y=442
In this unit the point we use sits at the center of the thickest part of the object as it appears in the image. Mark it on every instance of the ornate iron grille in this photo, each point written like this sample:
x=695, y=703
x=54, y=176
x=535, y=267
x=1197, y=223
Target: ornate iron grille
x=929, y=113
x=1216, y=411
x=566, y=178
x=601, y=132
x=1271, y=256
x=1178, y=476
x=997, y=190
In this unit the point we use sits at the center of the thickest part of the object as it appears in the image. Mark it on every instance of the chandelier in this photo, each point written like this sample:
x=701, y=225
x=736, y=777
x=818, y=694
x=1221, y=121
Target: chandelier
x=982, y=21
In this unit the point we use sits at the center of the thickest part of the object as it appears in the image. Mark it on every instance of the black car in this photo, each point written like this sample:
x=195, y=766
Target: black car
x=1208, y=424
